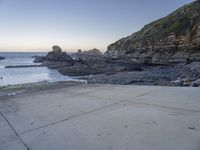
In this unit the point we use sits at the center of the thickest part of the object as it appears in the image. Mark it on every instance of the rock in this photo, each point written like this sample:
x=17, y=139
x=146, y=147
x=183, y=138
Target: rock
x=103, y=68
x=79, y=51
x=76, y=71
x=172, y=39
x=56, y=59
x=196, y=83
x=89, y=62
x=57, y=49
x=23, y=66
x=90, y=56
x=187, y=81
x=177, y=82
x=39, y=59
x=58, y=56
x=2, y=58
x=182, y=82
x=92, y=62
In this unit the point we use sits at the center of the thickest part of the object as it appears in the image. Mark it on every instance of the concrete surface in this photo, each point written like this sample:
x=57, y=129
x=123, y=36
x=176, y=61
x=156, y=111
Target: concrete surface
x=101, y=117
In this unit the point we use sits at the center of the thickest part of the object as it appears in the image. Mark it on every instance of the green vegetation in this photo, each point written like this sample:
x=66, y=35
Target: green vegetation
x=177, y=22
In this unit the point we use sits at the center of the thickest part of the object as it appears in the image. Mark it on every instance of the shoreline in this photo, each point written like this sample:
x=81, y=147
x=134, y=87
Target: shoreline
x=39, y=85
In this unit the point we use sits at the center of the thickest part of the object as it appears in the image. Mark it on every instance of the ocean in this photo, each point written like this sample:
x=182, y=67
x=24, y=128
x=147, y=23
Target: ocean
x=13, y=76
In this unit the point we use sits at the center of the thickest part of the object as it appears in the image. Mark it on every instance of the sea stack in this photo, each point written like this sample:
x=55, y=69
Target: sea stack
x=57, y=58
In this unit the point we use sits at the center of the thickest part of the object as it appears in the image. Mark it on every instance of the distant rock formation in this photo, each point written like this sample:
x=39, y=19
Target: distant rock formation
x=1, y=58
x=56, y=58
x=89, y=56
x=93, y=62
x=172, y=39
x=89, y=62
x=57, y=55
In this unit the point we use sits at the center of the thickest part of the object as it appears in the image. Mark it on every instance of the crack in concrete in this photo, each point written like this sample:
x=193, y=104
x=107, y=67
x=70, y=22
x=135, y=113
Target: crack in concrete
x=144, y=94
x=69, y=118
x=113, y=99
x=85, y=113
x=15, y=132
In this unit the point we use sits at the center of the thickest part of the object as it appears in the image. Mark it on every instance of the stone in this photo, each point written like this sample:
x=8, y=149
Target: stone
x=90, y=56
x=55, y=59
x=2, y=58
x=177, y=82
x=57, y=49
x=196, y=83
x=58, y=56
x=39, y=59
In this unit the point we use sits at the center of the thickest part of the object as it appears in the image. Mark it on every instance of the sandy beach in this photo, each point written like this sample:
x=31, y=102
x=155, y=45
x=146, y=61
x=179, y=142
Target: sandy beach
x=102, y=117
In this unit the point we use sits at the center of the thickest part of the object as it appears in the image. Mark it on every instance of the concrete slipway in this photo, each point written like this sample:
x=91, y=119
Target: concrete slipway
x=101, y=117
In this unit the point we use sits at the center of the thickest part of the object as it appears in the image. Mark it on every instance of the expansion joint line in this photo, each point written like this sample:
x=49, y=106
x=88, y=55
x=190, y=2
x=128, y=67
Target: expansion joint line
x=71, y=117
x=18, y=136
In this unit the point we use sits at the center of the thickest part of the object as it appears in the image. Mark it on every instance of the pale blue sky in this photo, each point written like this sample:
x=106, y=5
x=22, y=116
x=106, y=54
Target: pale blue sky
x=36, y=25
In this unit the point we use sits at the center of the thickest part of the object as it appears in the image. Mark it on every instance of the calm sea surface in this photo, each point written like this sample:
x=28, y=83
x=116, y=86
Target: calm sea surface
x=12, y=76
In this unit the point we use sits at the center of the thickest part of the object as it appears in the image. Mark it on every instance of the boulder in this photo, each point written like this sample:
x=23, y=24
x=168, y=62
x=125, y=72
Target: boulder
x=1, y=57
x=196, y=83
x=39, y=59
x=56, y=49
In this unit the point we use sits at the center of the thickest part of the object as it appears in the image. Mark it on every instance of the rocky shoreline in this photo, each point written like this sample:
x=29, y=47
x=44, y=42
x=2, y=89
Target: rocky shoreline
x=95, y=68
x=179, y=75
x=164, y=52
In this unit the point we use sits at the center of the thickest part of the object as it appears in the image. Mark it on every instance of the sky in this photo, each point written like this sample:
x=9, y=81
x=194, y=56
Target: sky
x=37, y=25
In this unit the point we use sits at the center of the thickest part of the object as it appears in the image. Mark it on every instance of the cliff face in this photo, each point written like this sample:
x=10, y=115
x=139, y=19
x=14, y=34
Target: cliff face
x=175, y=38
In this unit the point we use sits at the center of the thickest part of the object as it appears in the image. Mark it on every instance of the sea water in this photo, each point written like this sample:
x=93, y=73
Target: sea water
x=12, y=76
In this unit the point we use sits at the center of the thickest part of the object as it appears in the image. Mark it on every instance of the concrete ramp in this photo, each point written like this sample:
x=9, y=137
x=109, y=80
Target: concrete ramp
x=101, y=117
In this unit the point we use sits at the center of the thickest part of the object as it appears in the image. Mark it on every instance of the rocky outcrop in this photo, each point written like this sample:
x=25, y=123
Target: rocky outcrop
x=38, y=59
x=93, y=62
x=89, y=56
x=56, y=55
x=89, y=62
x=56, y=58
x=172, y=39
x=107, y=67
x=1, y=58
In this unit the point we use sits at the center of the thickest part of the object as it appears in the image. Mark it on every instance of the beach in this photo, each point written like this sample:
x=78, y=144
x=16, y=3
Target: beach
x=71, y=115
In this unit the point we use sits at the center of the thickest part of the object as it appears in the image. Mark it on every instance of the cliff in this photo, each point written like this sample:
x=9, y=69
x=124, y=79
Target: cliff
x=172, y=39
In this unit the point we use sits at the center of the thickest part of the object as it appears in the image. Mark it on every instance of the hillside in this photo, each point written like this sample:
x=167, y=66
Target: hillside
x=174, y=38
